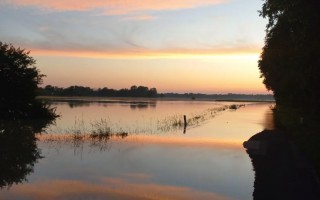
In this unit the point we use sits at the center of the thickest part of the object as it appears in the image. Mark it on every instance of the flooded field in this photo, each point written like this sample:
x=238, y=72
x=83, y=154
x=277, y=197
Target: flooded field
x=136, y=149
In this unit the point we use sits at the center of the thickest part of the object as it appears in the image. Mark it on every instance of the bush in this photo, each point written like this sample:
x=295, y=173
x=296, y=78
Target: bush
x=19, y=79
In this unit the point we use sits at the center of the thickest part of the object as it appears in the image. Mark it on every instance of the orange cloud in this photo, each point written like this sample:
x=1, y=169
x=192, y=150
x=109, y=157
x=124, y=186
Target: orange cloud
x=149, y=53
x=115, y=7
x=109, y=188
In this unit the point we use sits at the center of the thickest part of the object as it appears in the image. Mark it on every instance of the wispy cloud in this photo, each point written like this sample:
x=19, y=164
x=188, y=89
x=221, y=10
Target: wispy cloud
x=115, y=7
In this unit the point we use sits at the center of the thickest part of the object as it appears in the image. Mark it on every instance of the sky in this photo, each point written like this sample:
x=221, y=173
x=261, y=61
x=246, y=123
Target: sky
x=205, y=46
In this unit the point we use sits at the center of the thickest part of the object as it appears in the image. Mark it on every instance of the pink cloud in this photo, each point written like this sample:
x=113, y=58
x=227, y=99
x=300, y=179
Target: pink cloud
x=115, y=7
x=143, y=17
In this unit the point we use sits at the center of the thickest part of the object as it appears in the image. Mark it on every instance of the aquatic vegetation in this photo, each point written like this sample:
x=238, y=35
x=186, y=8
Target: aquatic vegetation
x=235, y=106
x=101, y=131
x=176, y=122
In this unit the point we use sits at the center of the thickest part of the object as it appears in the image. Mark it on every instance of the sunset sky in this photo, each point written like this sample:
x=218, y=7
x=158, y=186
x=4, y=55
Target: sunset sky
x=207, y=46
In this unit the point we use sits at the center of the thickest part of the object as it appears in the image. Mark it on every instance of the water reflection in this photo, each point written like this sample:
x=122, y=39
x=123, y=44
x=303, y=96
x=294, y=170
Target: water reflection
x=206, y=163
x=268, y=119
x=75, y=104
x=140, y=167
x=281, y=170
x=113, y=188
x=142, y=105
x=80, y=141
x=18, y=150
x=133, y=104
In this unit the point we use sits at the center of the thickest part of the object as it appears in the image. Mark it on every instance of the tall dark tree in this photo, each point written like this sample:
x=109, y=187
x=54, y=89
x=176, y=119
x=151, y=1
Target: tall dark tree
x=19, y=79
x=290, y=61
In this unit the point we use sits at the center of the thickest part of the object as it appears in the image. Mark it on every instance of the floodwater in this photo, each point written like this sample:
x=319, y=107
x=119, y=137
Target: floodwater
x=136, y=149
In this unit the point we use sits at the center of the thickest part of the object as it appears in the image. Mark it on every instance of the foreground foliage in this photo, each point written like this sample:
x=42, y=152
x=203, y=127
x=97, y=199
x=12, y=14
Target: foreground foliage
x=290, y=66
x=290, y=61
x=19, y=79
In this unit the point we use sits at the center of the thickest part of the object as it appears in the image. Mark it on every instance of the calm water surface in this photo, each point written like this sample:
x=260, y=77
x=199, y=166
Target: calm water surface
x=151, y=159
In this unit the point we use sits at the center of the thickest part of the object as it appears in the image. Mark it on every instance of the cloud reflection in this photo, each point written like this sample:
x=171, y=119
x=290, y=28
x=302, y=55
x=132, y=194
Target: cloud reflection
x=108, y=188
x=173, y=140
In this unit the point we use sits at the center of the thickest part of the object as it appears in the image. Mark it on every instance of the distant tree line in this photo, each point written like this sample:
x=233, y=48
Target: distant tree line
x=134, y=91
x=142, y=91
x=229, y=96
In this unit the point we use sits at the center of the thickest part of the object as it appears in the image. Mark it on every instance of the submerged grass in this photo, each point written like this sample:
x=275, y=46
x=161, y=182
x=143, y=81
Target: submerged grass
x=101, y=131
x=176, y=122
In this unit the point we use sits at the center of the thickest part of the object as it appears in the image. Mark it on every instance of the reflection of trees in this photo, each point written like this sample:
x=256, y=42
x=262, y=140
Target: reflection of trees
x=75, y=103
x=139, y=105
x=143, y=105
x=269, y=123
x=18, y=150
x=281, y=171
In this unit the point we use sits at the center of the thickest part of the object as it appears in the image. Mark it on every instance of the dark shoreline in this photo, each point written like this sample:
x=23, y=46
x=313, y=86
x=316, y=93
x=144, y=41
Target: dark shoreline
x=282, y=170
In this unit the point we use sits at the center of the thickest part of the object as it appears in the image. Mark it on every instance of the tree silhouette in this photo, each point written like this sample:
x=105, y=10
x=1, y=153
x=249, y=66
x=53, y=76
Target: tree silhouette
x=290, y=61
x=290, y=66
x=19, y=79
x=134, y=91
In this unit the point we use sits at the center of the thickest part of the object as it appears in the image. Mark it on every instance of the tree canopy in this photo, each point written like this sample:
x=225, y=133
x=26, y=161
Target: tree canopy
x=290, y=61
x=19, y=79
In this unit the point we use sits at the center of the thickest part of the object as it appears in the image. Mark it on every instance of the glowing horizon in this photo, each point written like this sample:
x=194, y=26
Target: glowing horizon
x=151, y=54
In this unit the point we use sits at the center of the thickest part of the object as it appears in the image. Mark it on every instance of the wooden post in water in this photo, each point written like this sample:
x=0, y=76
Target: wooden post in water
x=185, y=123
